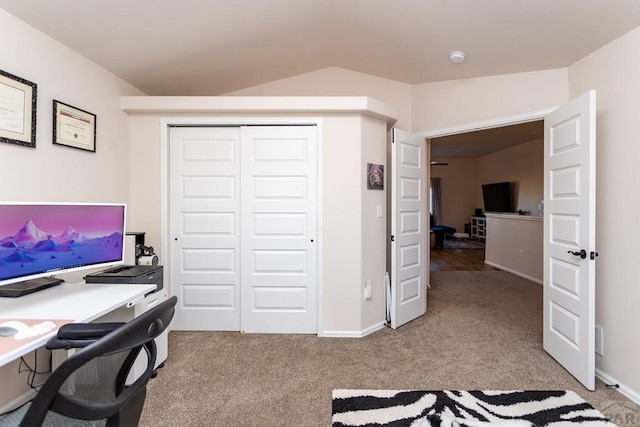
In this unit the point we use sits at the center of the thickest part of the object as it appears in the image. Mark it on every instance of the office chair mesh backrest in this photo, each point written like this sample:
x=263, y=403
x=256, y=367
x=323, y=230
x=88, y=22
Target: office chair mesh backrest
x=89, y=388
x=96, y=380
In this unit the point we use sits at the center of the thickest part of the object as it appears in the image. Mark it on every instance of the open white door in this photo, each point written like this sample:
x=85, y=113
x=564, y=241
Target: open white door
x=408, y=227
x=569, y=237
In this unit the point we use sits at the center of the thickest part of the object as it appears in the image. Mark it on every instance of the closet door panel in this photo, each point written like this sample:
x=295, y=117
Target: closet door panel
x=205, y=227
x=279, y=277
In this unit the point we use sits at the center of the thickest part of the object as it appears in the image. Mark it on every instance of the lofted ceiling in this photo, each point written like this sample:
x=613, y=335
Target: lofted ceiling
x=212, y=47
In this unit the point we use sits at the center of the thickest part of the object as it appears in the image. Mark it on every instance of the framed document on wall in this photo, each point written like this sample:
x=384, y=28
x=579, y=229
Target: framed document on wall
x=73, y=127
x=18, y=99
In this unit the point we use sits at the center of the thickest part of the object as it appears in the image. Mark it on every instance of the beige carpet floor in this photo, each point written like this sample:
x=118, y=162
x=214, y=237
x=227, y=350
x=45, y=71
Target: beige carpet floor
x=482, y=330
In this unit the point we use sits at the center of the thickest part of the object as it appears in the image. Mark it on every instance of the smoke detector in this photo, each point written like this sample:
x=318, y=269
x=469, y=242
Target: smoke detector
x=457, y=57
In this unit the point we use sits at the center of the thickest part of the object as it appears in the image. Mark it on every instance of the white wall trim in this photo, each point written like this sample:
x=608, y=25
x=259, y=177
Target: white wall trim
x=517, y=273
x=18, y=401
x=166, y=122
x=354, y=334
x=623, y=389
x=237, y=121
x=488, y=124
x=515, y=216
x=164, y=204
x=260, y=105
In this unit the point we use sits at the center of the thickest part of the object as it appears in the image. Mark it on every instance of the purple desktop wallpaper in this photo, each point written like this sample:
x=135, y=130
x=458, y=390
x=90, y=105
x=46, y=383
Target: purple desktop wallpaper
x=41, y=238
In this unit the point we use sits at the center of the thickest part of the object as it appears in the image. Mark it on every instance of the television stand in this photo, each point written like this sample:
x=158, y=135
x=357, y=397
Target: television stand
x=478, y=227
x=19, y=289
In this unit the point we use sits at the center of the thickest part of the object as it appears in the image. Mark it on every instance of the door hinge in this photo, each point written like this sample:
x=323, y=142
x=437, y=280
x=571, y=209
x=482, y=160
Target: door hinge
x=593, y=255
x=393, y=238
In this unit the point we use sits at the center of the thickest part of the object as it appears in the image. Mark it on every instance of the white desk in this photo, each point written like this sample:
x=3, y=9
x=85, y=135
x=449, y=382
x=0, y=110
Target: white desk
x=78, y=302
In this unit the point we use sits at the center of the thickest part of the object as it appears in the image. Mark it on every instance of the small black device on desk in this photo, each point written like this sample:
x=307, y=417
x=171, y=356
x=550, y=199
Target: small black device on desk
x=129, y=274
x=26, y=287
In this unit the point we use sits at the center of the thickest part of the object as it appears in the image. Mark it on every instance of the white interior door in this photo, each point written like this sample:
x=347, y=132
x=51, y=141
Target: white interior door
x=409, y=211
x=205, y=227
x=279, y=289
x=569, y=237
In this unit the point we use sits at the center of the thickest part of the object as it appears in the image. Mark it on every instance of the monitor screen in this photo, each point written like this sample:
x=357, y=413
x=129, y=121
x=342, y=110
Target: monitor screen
x=44, y=239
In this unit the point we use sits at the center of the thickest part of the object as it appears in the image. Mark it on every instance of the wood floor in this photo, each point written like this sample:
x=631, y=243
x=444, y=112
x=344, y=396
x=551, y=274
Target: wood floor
x=458, y=260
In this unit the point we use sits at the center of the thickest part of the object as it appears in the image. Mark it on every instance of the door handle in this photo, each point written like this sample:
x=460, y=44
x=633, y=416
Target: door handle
x=582, y=254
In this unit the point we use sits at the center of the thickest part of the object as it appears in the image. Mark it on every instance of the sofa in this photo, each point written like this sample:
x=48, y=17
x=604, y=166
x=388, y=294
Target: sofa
x=440, y=231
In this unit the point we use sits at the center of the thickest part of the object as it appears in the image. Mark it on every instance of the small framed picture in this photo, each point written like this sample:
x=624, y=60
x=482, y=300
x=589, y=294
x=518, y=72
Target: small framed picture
x=18, y=99
x=375, y=177
x=73, y=127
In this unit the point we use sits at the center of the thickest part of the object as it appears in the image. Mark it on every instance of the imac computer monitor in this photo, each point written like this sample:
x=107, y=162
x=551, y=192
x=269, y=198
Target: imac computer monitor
x=39, y=240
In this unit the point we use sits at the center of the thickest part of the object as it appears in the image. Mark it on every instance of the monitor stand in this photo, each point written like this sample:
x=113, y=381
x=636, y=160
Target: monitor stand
x=19, y=289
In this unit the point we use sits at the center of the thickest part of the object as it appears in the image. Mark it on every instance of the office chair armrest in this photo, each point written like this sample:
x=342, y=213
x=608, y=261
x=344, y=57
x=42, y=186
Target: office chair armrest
x=79, y=335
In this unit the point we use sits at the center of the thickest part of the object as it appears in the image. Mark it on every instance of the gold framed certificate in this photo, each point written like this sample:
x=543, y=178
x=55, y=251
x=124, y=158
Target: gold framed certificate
x=73, y=127
x=18, y=99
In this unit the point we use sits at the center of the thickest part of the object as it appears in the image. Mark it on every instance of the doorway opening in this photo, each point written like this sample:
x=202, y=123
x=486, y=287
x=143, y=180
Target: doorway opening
x=465, y=158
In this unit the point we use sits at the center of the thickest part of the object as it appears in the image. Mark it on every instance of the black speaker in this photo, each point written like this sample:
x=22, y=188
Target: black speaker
x=478, y=212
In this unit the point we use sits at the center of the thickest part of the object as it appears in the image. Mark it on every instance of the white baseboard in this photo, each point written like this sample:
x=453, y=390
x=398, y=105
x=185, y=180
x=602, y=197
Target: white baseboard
x=632, y=395
x=353, y=334
x=517, y=273
x=18, y=401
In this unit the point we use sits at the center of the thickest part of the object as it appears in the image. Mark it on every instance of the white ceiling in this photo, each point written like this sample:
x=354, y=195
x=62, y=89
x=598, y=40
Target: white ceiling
x=211, y=47
x=482, y=142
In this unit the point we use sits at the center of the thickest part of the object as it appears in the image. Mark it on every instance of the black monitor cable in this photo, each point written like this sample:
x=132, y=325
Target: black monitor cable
x=31, y=378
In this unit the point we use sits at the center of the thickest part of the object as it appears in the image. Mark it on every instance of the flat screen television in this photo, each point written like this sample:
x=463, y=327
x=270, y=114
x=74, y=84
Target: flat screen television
x=497, y=197
x=44, y=239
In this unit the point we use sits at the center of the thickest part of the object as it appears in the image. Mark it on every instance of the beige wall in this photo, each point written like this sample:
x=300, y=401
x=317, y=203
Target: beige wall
x=145, y=192
x=334, y=81
x=342, y=182
x=436, y=105
x=442, y=105
x=458, y=181
x=462, y=181
x=521, y=165
x=54, y=173
x=614, y=72
x=374, y=229
x=514, y=244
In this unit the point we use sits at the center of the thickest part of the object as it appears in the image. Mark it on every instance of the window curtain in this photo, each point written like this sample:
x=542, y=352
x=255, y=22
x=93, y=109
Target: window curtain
x=436, y=200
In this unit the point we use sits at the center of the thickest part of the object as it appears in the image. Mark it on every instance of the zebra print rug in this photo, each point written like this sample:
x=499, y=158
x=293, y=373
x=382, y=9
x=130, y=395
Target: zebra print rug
x=463, y=408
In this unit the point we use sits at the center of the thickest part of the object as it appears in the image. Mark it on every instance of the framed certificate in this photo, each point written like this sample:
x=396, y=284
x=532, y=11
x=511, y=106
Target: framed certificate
x=17, y=110
x=73, y=127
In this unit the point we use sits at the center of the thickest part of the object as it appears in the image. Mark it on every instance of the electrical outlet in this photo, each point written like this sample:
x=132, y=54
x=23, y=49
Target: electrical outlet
x=599, y=340
x=367, y=289
x=379, y=211
x=521, y=253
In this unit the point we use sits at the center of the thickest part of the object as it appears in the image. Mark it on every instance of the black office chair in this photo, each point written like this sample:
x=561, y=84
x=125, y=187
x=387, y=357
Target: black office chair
x=89, y=388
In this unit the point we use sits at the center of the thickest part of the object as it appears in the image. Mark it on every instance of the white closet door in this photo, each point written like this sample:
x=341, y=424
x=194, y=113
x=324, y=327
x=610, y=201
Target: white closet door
x=205, y=227
x=279, y=289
